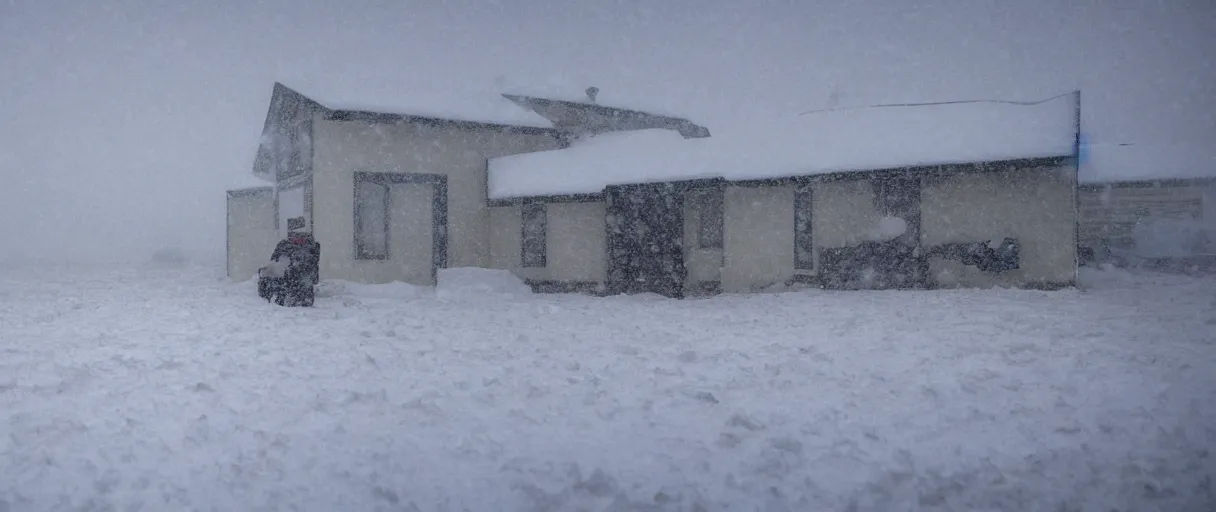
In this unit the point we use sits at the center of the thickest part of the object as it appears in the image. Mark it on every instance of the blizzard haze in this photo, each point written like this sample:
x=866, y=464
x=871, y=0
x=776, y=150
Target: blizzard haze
x=125, y=121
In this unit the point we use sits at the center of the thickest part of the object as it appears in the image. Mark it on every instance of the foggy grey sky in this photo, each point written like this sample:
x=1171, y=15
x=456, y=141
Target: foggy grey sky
x=125, y=121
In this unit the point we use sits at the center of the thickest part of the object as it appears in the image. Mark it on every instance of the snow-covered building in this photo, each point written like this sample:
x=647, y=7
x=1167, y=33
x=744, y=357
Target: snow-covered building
x=943, y=196
x=597, y=198
x=394, y=197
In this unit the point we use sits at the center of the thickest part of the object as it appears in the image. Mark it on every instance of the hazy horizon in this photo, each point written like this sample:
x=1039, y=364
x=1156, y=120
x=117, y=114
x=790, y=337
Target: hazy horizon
x=127, y=120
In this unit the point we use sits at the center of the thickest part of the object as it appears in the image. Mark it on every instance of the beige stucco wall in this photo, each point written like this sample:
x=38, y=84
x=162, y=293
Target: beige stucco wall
x=758, y=237
x=506, y=242
x=251, y=233
x=1035, y=206
x=342, y=148
x=409, y=243
x=842, y=214
x=575, y=242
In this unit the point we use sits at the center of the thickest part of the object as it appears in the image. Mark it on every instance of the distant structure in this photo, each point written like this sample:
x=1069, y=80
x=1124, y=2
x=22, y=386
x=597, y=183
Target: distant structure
x=1114, y=213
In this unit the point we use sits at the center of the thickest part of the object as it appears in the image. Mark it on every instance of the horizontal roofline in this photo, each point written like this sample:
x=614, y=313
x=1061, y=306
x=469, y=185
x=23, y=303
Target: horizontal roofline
x=960, y=167
x=390, y=118
x=1148, y=182
x=693, y=130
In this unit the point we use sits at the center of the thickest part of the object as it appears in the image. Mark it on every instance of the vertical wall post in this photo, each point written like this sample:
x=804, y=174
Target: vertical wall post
x=1076, y=187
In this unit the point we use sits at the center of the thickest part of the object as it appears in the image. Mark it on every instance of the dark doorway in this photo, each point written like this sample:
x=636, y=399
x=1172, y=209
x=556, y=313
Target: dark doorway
x=646, y=239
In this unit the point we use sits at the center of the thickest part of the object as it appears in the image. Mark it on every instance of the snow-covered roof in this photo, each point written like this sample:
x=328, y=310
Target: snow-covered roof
x=472, y=103
x=798, y=145
x=287, y=107
x=484, y=106
x=244, y=181
x=1111, y=163
x=581, y=117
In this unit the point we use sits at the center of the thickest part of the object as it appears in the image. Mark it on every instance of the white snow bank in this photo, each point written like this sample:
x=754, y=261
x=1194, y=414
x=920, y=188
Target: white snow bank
x=453, y=284
x=796, y=145
x=174, y=390
x=1174, y=238
x=479, y=282
x=393, y=290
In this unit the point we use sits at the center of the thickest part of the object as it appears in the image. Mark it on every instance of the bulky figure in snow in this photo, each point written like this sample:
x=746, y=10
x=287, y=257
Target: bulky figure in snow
x=294, y=270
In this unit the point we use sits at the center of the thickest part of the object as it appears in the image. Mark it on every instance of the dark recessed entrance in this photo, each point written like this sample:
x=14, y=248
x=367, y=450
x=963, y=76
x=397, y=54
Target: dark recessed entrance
x=645, y=225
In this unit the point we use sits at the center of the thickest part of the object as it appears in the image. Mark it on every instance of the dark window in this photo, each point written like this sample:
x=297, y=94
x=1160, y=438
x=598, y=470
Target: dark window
x=708, y=203
x=532, y=231
x=371, y=220
x=804, y=247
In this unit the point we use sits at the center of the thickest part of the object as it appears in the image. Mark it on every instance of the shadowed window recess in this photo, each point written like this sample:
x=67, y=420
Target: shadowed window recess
x=804, y=246
x=533, y=227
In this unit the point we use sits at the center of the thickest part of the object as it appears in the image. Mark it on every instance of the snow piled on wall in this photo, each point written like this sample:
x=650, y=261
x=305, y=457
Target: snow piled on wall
x=796, y=145
x=888, y=228
x=463, y=282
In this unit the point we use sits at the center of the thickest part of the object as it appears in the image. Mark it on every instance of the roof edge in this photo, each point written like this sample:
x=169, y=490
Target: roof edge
x=794, y=178
x=686, y=127
x=1147, y=182
x=387, y=117
x=278, y=92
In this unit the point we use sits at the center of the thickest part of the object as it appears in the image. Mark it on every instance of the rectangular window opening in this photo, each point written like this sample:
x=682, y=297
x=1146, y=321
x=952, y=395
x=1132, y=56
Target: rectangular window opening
x=804, y=246
x=533, y=233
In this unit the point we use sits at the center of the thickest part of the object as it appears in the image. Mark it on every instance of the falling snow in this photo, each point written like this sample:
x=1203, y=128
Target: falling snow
x=171, y=388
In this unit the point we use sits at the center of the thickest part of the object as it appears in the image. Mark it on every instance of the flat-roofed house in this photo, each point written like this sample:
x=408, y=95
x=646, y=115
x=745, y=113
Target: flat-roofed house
x=942, y=196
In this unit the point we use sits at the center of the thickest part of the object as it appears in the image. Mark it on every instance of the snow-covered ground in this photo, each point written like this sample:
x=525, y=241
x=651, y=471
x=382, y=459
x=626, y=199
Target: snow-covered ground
x=176, y=390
